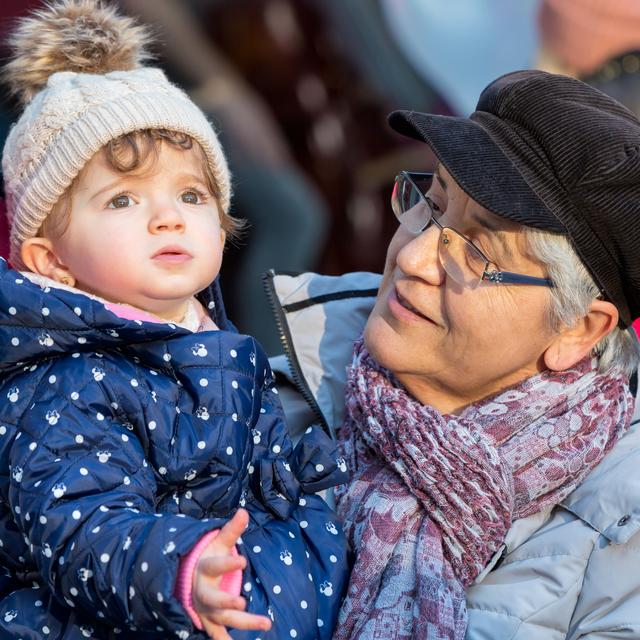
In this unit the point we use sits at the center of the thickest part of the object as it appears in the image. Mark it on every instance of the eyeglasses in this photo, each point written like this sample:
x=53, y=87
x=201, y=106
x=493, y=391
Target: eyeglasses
x=459, y=257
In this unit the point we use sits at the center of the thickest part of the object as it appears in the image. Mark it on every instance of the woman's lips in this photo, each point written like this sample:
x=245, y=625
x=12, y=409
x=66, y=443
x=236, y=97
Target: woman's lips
x=403, y=310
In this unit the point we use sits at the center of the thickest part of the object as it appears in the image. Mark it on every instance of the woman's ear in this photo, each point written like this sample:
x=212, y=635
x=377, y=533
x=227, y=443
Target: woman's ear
x=576, y=342
x=39, y=257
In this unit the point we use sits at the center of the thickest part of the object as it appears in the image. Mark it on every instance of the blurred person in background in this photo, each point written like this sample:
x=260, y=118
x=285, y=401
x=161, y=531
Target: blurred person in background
x=597, y=41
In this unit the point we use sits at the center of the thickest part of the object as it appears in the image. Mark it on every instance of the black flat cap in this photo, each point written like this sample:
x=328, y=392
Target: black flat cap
x=551, y=152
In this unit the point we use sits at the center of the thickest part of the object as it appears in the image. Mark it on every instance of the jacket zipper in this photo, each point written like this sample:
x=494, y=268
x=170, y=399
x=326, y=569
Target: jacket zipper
x=287, y=345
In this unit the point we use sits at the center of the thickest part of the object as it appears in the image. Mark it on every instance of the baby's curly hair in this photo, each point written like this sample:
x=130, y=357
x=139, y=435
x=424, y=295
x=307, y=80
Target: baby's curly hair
x=133, y=152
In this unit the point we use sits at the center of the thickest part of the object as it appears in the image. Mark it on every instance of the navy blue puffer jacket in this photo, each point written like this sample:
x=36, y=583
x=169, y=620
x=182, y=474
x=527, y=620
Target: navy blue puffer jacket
x=121, y=444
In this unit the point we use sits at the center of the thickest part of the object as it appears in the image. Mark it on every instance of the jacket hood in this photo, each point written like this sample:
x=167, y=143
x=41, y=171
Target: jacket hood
x=40, y=321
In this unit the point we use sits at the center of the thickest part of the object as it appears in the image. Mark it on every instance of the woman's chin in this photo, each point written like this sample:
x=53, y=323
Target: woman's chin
x=382, y=342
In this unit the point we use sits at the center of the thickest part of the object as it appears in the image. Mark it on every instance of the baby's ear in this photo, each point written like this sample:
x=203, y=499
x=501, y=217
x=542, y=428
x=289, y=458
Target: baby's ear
x=39, y=257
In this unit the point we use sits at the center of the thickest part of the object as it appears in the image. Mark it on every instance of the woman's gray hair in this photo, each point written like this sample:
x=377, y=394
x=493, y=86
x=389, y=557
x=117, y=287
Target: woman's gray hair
x=574, y=291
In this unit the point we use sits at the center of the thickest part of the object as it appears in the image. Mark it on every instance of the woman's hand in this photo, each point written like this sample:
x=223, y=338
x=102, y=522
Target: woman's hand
x=216, y=608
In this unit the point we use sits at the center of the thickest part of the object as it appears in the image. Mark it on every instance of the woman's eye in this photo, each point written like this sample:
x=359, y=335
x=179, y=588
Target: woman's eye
x=191, y=197
x=120, y=202
x=435, y=207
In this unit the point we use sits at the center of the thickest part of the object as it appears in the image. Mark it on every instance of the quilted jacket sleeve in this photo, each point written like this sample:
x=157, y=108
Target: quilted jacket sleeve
x=297, y=555
x=84, y=497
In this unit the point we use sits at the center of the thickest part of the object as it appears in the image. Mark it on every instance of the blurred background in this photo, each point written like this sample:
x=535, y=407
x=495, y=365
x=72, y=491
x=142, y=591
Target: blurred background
x=300, y=90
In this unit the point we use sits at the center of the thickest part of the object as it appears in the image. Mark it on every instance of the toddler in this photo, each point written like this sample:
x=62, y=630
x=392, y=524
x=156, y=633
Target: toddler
x=148, y=487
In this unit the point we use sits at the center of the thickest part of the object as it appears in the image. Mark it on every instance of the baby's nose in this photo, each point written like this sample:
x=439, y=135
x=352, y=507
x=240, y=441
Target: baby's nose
x=166, y=218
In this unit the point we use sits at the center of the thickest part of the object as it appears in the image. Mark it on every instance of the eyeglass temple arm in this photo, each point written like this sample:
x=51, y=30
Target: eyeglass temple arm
x=506, y=277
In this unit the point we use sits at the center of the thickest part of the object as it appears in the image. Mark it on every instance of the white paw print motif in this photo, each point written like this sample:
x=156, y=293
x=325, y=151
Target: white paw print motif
x=331, y=528
x=52, y=417
x=127, y=543
x=202, y=413
x=286, y=557
x=252, y=359
x=98, y=374
x=14, y=394
x=87, y=632
x=342, y=464
x=17, y=474
x=46, y=550
x=199, y=350
x=256, y=436
x=168, y=548
x=10, y=615
x=45, y=340
x=326, y=588
x=59, y=489
x=190, y=475
x=84, y=574
x=103, y=456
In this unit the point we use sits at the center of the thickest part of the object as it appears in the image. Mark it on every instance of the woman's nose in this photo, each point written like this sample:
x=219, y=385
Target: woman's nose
x=166, y=218
x=418, y=257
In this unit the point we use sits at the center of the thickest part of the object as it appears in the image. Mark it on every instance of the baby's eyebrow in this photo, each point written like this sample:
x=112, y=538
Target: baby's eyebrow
x=112, y=185
x=188, y=175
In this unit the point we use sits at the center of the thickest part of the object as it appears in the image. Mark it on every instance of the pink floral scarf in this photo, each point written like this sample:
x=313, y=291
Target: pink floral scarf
x=432, y=496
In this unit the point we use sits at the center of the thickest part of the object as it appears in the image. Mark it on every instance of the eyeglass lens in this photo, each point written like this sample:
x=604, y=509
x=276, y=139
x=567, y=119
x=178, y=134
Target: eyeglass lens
x=458, y=257
x=409, y=205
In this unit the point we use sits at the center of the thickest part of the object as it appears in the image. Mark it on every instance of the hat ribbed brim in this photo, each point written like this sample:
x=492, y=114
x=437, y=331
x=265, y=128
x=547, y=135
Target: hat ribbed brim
x=478, y=165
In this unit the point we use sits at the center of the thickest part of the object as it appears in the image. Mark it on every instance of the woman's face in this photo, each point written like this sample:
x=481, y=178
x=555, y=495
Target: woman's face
x=447, y=344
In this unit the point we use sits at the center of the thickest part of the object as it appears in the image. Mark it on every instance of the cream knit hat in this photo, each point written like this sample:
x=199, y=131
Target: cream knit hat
x=77, y=66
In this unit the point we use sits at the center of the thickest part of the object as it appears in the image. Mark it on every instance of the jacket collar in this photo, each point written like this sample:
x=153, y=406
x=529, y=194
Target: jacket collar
x=321, y=316
x=39, y=320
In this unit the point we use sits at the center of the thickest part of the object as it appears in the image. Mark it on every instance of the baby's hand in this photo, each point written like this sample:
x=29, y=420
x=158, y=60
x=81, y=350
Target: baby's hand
x=216, y=608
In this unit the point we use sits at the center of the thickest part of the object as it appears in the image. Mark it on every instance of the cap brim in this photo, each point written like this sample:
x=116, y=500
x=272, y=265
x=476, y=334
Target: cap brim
x=478, y=165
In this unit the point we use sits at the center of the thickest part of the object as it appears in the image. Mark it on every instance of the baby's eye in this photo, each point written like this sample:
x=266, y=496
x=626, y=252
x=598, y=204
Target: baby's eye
x=120, y=202
x=192, y=197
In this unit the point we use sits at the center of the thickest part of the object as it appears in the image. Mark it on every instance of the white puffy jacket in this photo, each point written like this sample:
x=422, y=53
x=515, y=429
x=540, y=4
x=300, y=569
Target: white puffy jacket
x=572, y=572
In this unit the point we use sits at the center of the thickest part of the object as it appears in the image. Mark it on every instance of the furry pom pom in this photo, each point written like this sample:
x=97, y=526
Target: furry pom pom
x=85, y=36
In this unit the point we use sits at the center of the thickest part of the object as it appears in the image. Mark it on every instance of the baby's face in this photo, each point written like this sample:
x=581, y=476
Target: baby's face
x=151, y=239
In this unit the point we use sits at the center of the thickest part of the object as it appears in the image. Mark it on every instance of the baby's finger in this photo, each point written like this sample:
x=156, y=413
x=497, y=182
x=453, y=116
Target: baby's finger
x=216, y=566
x=214, y=631
x=233, y=529
x=209, y=600
x=240, y=620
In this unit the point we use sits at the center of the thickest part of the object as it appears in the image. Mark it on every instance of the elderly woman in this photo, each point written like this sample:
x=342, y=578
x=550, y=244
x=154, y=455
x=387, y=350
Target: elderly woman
x=488, y=415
